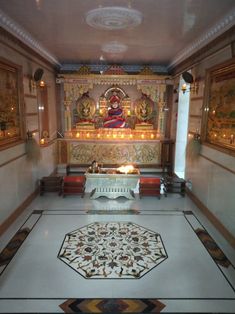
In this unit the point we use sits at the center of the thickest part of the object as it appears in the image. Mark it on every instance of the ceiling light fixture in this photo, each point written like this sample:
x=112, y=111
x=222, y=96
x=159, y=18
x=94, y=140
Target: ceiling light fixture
x=114, y=47
x=113, y=18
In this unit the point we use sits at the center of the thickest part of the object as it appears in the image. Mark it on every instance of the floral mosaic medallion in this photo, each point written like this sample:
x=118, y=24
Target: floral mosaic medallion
x=112, y=250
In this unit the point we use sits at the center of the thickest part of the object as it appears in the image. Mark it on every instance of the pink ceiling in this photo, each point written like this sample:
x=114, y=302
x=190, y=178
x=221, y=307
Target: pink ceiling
x=167, y=29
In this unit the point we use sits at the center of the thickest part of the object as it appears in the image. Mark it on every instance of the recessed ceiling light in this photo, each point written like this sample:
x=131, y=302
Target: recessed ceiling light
x=112, y=18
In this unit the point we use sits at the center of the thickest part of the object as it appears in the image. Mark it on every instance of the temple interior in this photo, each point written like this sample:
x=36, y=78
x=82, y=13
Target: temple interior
x=117, y=156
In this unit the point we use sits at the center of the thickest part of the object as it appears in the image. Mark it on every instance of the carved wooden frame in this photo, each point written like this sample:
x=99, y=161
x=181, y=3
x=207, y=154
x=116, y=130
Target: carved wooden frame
x=11, y=104
x=218, y=127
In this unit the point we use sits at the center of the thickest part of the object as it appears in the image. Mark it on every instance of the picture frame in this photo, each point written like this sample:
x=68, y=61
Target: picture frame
x=11, y=104
x=218, y=128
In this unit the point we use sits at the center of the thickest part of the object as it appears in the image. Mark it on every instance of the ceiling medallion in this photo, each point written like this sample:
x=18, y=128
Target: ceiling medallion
x=114, y=47
x=112, y=18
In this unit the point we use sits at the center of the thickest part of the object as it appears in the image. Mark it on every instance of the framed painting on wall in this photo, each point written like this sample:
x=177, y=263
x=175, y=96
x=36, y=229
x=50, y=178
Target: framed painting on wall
x=219, y=109
x=10, y=104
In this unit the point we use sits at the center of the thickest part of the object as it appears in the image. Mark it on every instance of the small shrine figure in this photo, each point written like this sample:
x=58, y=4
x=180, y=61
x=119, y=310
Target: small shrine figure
x=84, y=112
x=115, y=119
x=144, y=112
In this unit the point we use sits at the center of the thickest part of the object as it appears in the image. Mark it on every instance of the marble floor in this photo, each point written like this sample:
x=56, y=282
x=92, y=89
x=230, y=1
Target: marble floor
x=189, y=280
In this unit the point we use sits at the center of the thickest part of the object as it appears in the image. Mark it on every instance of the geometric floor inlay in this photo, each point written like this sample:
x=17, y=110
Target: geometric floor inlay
x=109, y=306
x=112, y=250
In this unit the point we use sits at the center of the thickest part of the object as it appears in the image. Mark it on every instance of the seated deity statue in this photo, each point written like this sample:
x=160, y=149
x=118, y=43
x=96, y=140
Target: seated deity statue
x=114, y=119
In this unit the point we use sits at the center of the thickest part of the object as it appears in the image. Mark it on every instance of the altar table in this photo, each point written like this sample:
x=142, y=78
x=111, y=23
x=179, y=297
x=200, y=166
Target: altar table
x=112, y=185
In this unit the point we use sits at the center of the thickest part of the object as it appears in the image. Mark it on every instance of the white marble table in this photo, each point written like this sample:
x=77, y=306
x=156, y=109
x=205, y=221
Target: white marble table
x=112, y=185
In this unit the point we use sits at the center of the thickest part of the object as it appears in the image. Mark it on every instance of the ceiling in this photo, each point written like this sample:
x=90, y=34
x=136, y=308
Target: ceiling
x=168, y=31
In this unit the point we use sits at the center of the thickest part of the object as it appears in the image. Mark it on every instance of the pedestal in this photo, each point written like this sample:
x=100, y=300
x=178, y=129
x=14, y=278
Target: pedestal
x=111, y=185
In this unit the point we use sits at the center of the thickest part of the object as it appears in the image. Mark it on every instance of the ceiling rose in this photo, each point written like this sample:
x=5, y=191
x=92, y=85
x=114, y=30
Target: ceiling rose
x=111, y=18
x=114, y=47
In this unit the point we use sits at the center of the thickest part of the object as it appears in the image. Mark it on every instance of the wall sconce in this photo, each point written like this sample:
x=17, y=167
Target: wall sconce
x=193, y=88
x=42, y=83
x=38, y=74
x=194, y=83
x=184, y=88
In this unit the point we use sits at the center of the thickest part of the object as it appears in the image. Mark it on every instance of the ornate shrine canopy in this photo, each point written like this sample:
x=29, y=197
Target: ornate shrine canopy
x=76, y=85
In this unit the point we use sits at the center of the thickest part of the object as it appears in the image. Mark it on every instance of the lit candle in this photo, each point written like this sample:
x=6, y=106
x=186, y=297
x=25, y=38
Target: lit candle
x=98, y=135
x=152, y=136
x=131, y=135
x=142, y=135
x=128, y=113
x=77, y=134
x=42, y=141
x=88, y=134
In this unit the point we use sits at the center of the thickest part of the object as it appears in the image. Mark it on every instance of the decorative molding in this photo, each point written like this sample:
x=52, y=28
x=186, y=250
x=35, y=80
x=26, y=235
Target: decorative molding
x=19, y=32
x=218, y=29
x=98, y=68
x=113, y=18
x=111, y=153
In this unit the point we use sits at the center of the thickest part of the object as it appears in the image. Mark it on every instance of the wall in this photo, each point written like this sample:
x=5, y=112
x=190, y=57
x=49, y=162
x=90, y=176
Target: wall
x=213, y=173
x=19, y=176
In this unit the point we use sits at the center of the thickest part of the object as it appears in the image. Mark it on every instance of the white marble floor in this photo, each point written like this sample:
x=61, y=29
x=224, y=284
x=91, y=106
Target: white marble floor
x=189, y=280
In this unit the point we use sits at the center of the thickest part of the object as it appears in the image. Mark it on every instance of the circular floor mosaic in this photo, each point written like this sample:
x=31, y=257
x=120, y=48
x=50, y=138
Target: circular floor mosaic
x=112, y=250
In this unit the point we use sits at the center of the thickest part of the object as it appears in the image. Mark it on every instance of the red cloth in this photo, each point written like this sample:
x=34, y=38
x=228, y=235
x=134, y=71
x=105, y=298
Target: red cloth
x=150, y=181
x=114, y=98
x=75, y=179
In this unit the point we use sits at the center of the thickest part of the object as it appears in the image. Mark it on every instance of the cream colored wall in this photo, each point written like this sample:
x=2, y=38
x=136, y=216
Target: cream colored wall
x=18, y=176
x=212, y=174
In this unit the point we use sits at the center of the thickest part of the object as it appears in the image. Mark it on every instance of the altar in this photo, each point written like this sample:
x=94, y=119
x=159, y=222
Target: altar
x=116, y=118
x=112, y=184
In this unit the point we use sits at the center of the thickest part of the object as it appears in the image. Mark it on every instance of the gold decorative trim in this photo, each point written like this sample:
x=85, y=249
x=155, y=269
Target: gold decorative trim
x=110, y=78
x=84, y=70
x=111, y=153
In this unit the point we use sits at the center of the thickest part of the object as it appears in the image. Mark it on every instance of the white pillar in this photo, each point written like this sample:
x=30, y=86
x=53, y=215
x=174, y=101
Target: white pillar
x=182, y=130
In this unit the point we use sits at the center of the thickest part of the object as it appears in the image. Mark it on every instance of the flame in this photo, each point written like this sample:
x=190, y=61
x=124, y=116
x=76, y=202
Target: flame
x=126, y=169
